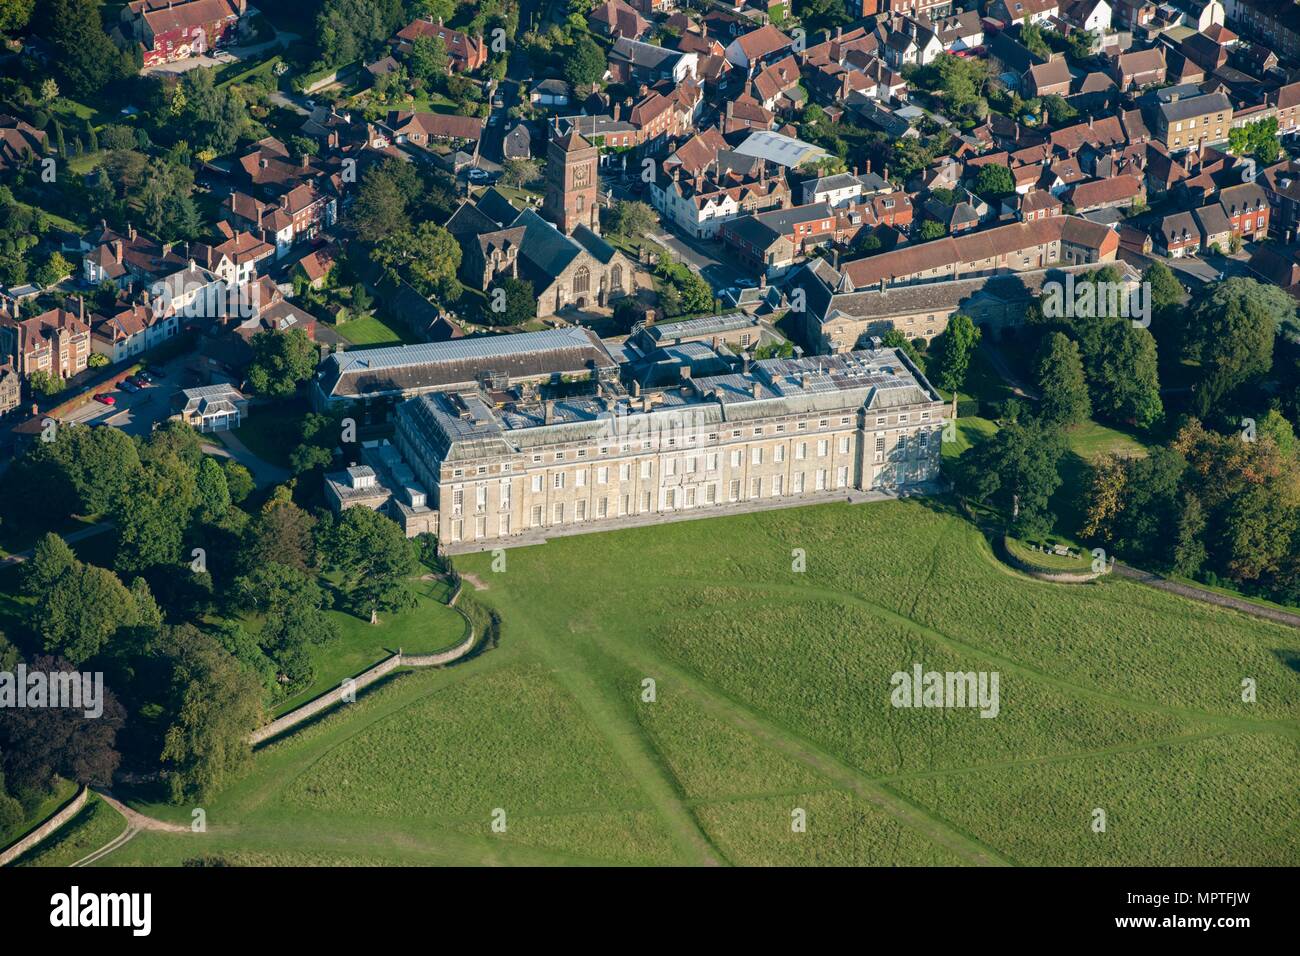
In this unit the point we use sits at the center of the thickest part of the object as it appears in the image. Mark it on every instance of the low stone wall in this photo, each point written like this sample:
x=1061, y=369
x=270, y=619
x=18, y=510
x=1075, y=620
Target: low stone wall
x=1151, y=579
x=1059, y=577
x=327, y=700
x=446, y=657
x=70, y=810
x=313, y=707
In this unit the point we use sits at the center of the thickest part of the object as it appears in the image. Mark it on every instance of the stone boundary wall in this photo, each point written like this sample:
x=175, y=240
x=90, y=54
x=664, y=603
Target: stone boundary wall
x=328, y=699
x=1151, y=579
x=70, y=810
x=446, y=657
x=1058, y=577
x=366, y=678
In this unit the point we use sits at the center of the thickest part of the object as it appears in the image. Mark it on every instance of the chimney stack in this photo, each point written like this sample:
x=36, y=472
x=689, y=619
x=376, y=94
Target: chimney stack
x=548, y=411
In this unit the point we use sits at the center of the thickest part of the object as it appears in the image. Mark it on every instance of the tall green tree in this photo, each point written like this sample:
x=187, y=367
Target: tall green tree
x=380, y=207
x=426, y=256
x=994, y=180
x=428, y=59
x=1016, y=471
x=213, y=117
x=584, y=62
x=153, y=514
x=78, y=615
x=1061, y=383
x=213, y=703
x=281, y=362
x=1121, y=364
x=1231, y=334
x=955, y=347
x=281, y=534
x=51, y=559
x=85, y=59
x=212, y=492
x=374, y=559
x=15, y=15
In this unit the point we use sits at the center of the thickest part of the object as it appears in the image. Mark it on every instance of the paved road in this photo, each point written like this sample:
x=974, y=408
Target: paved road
x=1205, y=268
x=283, y=100
x=705, y=257
x=135, y=414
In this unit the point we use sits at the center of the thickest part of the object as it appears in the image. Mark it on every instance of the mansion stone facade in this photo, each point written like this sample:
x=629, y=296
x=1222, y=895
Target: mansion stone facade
x=805, y=429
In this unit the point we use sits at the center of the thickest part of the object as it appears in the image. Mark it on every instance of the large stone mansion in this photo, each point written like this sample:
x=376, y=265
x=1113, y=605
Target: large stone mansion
x=505, y=466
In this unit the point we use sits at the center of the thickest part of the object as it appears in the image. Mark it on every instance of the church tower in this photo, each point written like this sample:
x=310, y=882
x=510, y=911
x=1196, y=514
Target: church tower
x=571, y=197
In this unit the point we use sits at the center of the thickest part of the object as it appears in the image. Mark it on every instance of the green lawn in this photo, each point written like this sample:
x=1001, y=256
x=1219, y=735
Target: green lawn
x=970, y=430
x=518, y=197
x=1048, y=560
x=771, y=695
x=372, y=331
x=85, y=162
x=429, y=627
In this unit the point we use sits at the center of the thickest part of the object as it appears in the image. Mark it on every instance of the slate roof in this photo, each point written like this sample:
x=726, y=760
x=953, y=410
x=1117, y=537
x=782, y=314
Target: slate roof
x=1192, y=106
x=435, y=365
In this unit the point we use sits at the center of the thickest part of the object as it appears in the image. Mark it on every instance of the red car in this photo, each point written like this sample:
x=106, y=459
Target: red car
x=105, y=399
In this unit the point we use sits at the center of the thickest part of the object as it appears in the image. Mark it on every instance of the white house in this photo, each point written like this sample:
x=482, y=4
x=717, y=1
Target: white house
x=964, y=31
x=131, y=331
x=1212, y=13
x=1091, y=15
x=193, y=292
x=1024, y=11
x=913, y=45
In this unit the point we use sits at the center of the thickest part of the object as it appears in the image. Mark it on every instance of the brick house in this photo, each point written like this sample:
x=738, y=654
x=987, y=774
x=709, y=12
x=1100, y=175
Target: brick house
x=465, y=53
x=19, y=142
x=57, y=341
x=168, y=30
x=1116, y=192
x=1193, y=122
x=424, y=129
x=1247, y=209
x=1178, y=235
x=1136, y=70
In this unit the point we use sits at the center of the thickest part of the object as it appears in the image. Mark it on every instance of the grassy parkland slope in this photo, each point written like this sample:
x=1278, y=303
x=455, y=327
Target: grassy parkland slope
x=771, y=695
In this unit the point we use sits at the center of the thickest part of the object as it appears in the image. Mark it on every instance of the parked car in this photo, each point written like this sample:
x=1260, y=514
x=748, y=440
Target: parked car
x=498, y=100
x=128, y=386
x=155, y=371
x=477, y=175
x=105, y=399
